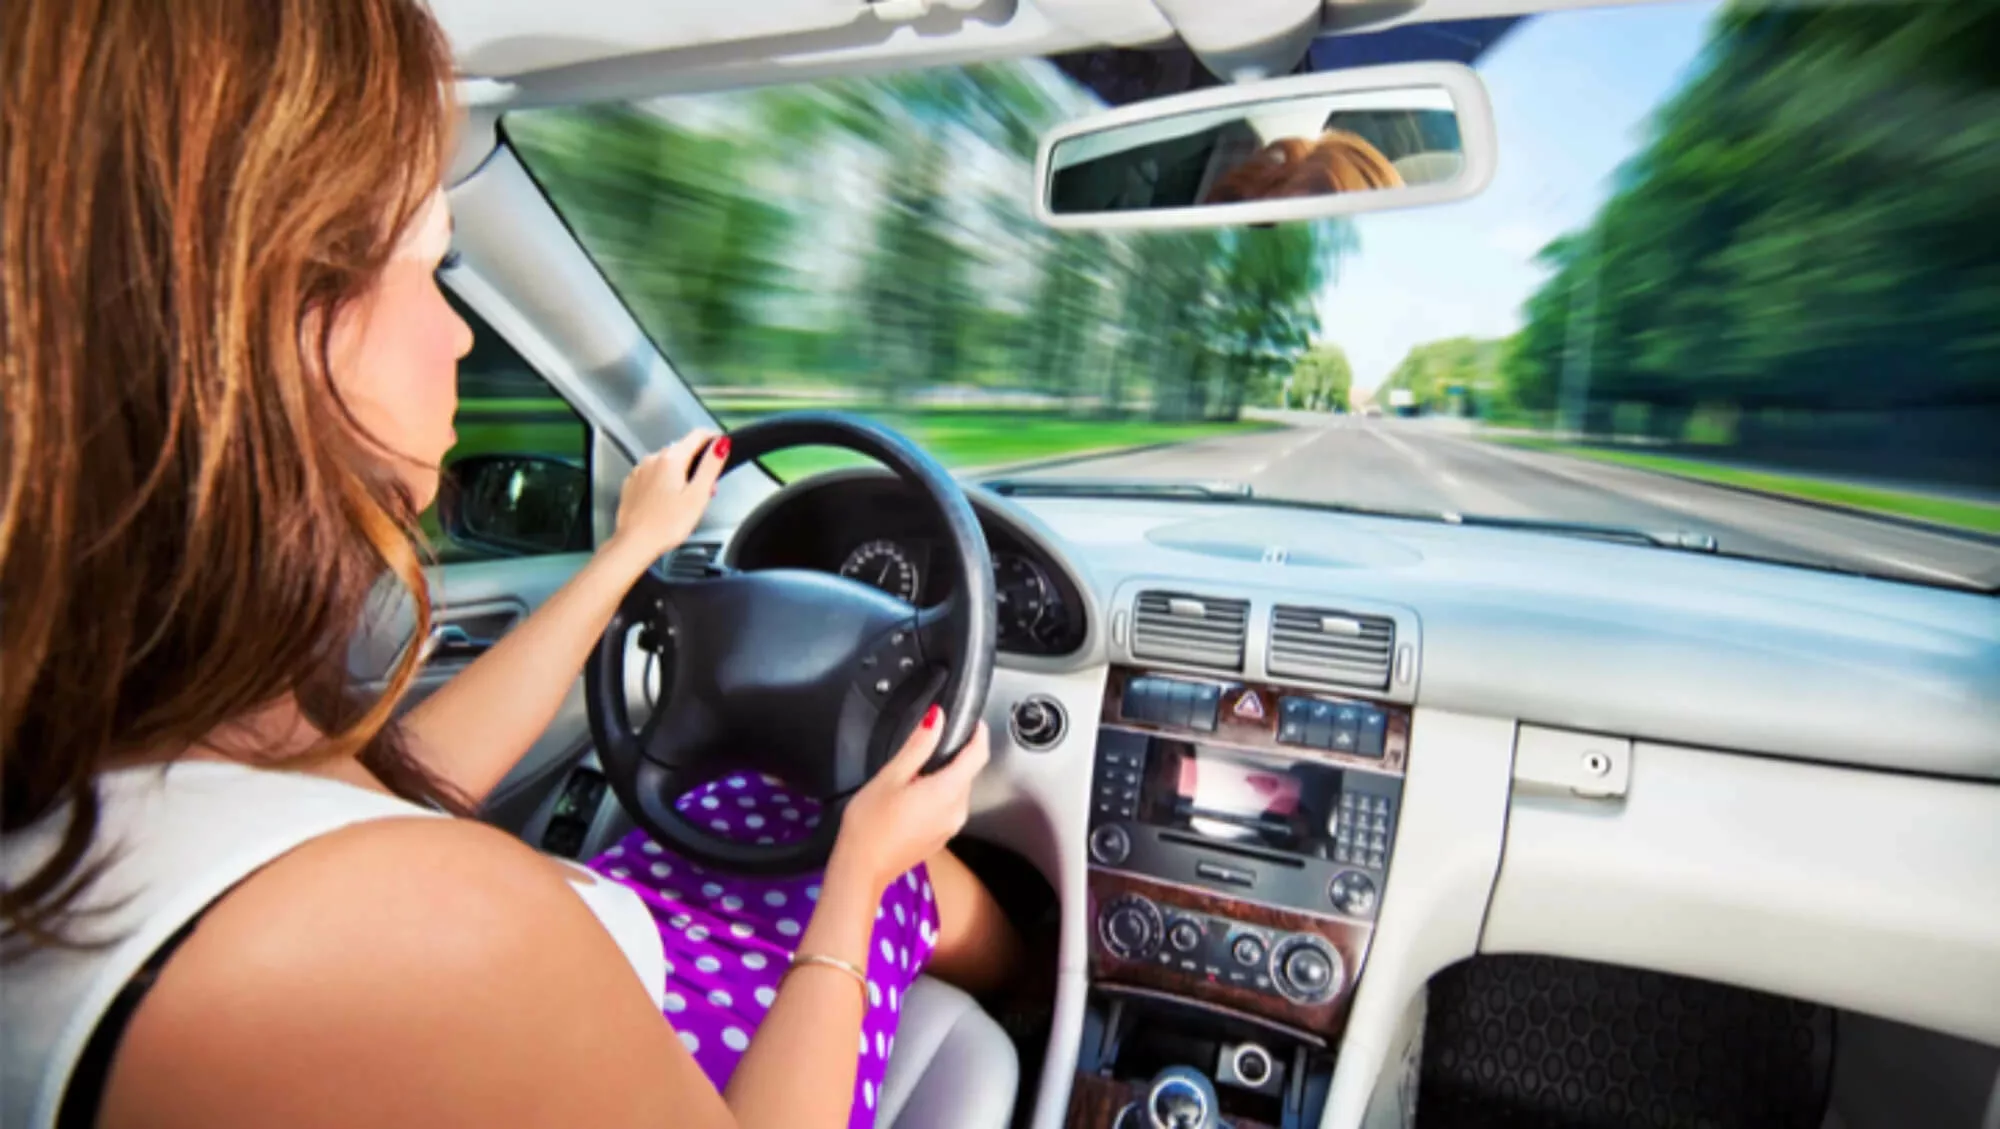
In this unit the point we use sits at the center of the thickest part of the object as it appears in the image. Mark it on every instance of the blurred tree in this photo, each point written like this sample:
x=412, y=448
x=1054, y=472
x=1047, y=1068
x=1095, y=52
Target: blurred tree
x=1812, y=227
x=1323, y=380
x=1444, y=376
x=717, y=218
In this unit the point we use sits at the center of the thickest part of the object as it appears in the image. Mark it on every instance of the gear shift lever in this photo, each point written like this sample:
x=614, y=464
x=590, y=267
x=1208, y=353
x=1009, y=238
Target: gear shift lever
x=1181, y=1097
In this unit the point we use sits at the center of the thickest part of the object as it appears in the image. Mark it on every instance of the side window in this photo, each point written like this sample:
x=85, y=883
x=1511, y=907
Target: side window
x=517, y=483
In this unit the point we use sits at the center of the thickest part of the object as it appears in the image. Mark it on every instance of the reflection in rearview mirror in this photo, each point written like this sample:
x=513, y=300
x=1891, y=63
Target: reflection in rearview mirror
x=1290, y=149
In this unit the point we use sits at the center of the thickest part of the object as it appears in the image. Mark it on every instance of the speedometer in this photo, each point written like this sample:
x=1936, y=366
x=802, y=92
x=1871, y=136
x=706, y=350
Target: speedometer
x=885, y=565
x=1023, y=594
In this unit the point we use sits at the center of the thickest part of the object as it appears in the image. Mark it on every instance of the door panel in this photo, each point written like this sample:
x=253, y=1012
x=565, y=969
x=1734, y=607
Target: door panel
x=483, y=599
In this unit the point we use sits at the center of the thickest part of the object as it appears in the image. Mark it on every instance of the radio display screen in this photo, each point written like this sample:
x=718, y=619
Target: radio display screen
x=1238, y=797
x=1235, y=789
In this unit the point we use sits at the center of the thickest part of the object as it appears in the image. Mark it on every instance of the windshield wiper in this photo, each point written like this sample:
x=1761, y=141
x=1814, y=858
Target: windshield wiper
x=1220, y=490
x=1665, y=539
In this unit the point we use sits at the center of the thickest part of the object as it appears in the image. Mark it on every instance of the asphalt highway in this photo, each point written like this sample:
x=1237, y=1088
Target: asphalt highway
x=1434, y=466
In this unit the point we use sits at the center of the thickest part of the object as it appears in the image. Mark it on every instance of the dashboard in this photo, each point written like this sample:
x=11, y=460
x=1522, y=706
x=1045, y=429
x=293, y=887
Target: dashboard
x=1304, y=761
x=876, y=529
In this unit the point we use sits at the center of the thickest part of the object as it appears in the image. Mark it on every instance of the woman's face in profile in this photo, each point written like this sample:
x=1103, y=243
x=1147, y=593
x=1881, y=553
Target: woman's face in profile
x=395, y=355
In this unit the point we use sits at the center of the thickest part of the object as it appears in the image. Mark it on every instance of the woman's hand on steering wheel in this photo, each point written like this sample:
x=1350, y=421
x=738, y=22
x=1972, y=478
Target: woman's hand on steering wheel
x=900, y=818
x=664, y=496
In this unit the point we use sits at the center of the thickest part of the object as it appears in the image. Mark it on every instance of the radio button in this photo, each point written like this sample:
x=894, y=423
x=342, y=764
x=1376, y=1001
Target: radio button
x=1110, y=845
x=1319, y=725
x=1216, y=872
x=1139, y=702
x=1207, y=701
x=1374, y=726
x=1352, y=893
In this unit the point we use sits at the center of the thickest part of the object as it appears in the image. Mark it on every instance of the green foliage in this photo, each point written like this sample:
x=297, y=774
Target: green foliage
x=870, y=237
x=1812, y=226
x=1323, y=380
x=1448, y=376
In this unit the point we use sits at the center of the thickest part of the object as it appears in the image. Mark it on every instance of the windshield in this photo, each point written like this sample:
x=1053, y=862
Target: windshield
x=1734, y=283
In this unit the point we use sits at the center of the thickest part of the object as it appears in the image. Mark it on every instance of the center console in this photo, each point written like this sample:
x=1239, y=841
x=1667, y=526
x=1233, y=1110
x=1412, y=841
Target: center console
x=1240, y=838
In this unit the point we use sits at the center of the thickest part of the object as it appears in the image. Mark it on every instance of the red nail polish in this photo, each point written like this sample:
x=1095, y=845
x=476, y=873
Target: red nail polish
x=721, y=447
x=932, y=717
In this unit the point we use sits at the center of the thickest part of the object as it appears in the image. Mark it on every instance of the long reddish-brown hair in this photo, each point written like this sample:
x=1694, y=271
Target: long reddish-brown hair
x=189, y=192
x=1338, y=161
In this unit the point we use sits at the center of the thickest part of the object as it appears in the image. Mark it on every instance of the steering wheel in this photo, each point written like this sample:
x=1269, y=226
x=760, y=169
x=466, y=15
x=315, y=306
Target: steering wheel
x=804, y=675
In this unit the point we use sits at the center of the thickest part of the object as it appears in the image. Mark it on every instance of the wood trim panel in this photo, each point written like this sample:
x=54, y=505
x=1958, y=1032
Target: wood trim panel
x=1349, y=938
x=1094, y=1103
x=1261, y=735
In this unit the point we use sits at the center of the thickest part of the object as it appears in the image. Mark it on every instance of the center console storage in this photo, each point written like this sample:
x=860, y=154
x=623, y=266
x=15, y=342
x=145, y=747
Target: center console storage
x=1240, y=838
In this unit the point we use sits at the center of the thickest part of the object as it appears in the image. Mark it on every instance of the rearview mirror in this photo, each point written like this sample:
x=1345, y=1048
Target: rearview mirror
x=1288, y=149
x=515, y=504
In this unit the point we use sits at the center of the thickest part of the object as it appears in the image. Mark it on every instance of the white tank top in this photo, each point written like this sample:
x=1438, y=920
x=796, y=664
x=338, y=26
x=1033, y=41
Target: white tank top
x=178, y=837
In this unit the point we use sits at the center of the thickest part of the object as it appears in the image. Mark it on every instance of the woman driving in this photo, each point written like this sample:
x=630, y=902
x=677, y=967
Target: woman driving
x=237, y=892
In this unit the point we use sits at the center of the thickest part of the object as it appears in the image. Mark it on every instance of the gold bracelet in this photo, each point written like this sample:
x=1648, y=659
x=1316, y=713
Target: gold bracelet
x=800, y=960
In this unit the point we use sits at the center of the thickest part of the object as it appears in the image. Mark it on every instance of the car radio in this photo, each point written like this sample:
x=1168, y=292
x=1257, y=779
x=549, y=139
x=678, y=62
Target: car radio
x=1240, y=839
x=1276, y=797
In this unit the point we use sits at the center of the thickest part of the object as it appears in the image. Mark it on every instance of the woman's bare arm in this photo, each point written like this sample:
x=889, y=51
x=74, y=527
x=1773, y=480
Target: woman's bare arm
x=403, y=975
x=478, y=725
x=417, y=973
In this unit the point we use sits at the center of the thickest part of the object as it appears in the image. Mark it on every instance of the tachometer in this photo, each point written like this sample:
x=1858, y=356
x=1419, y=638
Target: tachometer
x=884, y=564
x=1023, y=593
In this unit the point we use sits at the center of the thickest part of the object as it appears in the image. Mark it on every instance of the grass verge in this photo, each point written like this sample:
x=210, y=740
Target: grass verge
x=1955, y=512
x=965, y=438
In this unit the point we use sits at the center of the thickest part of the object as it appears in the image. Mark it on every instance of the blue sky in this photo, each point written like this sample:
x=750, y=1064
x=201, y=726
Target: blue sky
x=1571, y=92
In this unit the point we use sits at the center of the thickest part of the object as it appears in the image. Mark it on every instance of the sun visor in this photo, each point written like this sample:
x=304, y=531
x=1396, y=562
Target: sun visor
x=498, y=38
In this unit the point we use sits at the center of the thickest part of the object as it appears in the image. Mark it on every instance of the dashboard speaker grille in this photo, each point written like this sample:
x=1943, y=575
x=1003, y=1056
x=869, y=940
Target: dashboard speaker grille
x=1189, y=629
x=1331, y=646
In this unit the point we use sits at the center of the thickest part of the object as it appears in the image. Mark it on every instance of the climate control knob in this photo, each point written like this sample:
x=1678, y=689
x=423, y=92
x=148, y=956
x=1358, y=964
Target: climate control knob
x=1184, y=935
x=1130, y=927
x=1248, y=951
x=1306, y=969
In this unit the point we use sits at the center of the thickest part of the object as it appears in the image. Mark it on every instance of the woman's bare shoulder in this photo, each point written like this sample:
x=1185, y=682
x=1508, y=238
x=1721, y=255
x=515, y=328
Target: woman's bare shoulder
x=401, y=972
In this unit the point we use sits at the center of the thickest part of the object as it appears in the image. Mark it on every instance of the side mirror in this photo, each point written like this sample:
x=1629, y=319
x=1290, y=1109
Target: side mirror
x=1363, y=139
x=516, y=504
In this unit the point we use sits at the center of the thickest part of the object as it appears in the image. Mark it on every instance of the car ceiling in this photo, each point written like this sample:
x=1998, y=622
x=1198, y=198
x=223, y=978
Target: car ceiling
x=530, y=52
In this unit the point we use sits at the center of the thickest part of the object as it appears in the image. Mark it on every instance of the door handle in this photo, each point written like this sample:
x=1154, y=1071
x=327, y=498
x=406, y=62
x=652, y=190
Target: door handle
x=448, y=642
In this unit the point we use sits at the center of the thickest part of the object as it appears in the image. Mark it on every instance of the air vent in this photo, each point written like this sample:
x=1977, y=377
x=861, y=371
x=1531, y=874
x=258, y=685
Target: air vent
x=690, y=562
x=1324, y=645
x=1192, y=630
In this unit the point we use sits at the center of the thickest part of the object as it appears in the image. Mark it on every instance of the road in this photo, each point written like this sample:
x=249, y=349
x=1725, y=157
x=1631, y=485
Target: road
x=1438, y=466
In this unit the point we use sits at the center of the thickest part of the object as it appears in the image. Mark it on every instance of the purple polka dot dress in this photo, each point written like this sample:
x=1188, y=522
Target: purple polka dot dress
x=729, y=938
